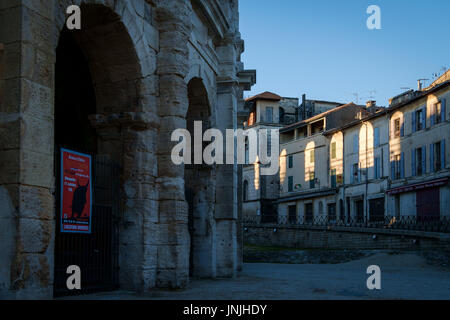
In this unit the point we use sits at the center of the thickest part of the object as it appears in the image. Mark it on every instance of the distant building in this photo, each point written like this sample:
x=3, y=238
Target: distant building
x=310, y=108
x=304, y=164
x=369, y=165
x=266, y=111
x=419, y=154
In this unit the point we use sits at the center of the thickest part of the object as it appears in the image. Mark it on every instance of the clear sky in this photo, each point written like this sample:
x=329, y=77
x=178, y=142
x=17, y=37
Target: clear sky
x=323, y=47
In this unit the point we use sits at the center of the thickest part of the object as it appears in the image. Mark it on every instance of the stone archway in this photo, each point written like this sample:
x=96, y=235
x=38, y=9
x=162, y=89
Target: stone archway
x=124, y=126
x=200, y=189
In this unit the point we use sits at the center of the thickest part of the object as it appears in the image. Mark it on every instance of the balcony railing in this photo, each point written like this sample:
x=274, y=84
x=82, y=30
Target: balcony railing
x=408, y=222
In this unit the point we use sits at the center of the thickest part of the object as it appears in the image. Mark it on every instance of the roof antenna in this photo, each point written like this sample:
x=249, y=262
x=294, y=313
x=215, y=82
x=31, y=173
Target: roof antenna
x=420, y=84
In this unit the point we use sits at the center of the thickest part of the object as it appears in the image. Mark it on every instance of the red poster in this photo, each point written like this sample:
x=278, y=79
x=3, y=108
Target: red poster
x=76, y=192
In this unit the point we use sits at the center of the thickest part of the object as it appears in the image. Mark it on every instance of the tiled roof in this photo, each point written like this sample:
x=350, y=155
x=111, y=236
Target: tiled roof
x=265, y=96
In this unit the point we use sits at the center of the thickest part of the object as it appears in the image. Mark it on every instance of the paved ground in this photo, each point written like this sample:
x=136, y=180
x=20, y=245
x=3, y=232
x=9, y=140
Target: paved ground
x=403, y=276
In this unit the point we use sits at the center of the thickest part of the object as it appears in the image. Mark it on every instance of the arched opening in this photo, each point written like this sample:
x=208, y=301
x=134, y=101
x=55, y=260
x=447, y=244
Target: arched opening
x=245, y=195
x=199, y=190
x=96, y=69
x=74, y=97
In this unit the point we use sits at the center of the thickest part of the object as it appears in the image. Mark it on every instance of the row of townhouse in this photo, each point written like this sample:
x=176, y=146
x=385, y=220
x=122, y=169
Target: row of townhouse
x=269, y=111
x=369, y=164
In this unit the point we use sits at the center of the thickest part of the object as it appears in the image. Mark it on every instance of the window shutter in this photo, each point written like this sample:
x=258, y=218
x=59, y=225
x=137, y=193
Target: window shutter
x=443, y=154
x=424, y=117
x=432, y=168
x=402, y=129
x=376, y=137
x=413, y=162
x=375, y=169
x=443, y=113
x=424, y=160
x=379, y=168
x=393, y=170
x=402, y=165
x=413, y=121
x=352, y=179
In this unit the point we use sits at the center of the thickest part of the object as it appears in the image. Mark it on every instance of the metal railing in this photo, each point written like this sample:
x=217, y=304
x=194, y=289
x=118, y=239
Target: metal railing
x=408, y=222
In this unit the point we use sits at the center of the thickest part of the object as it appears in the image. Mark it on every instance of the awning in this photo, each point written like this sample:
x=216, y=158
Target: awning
x=308, y=195
x=418, y=186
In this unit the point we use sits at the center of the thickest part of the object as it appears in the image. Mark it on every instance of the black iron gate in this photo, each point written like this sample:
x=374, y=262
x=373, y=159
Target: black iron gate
x=96, y=253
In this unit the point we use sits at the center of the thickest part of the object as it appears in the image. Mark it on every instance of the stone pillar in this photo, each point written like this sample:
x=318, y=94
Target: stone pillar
x=226, y=213
x=226, y=208
x=173, y=241
x=138, y=250
x=26, y=150
x=130, y=138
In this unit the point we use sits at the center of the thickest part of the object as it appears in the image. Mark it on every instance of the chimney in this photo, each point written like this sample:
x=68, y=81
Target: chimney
x=419, y=85
x=304, y=106
x=370, y=104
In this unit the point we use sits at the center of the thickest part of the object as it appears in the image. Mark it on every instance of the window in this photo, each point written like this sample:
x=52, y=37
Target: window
x=290, y=184
x=333, y=150
x=355, y=143
x=333, y=178
x=397, y=128
x=376, y=137
x=312, y=180
x=398, y=167
x=291, y=161
x=418, y=161
x=311, y=156
x=437, y=113
x=418, y=120
x=269, y=114
x=437, y=156
x=269, y=142
x=245, y=195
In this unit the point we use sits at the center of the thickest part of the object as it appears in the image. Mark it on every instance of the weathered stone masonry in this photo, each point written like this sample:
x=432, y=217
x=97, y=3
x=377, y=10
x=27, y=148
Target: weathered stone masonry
x=152, y=63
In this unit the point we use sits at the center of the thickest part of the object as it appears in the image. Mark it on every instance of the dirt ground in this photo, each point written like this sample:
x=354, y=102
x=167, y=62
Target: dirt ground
x=410, y=275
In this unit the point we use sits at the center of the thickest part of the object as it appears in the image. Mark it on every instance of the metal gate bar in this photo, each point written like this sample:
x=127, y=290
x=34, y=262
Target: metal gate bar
x=97, y=254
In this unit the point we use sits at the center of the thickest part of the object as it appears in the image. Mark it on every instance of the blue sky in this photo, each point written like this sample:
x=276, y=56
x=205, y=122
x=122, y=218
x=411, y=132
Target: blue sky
x=323, y=47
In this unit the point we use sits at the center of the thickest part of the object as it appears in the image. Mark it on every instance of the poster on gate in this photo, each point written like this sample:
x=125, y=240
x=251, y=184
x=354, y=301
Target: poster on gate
x=76, y=192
